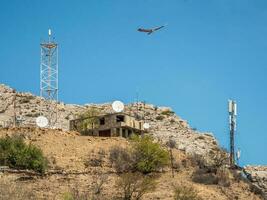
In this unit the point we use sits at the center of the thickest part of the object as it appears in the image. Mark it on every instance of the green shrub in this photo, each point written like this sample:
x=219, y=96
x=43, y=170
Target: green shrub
x=167, y=112
x=143, y=155
x=182, y=192
x=149, y=156
x=16, y=154
x=88, y=120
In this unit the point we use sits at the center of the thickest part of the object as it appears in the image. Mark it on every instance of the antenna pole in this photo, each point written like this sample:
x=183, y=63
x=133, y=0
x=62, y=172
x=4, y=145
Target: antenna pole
x=137, y=104
x=232, y=121
x=49, y=76
x=14, y=109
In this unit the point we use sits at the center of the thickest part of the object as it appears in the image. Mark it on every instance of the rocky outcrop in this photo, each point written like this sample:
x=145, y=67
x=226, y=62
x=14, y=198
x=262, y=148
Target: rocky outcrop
x=164, y=123
x=26, y=107
x=258, y=176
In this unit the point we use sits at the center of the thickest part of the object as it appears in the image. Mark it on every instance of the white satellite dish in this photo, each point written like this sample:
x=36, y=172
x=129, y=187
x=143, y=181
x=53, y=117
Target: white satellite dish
x=41, y=121
x=117, y=106
x=238, y=154
x=146, y=125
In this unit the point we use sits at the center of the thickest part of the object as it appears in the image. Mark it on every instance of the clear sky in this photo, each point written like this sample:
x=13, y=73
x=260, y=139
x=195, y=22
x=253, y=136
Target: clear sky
x=210, y=51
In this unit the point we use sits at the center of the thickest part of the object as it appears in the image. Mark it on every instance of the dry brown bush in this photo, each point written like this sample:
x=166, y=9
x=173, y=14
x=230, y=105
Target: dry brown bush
x=96, y=159
x=204, y=177
x=221, y=177
x=95, y=192
x=132, y=186
x=121, y=158
x=184, y=192
x=224, y=177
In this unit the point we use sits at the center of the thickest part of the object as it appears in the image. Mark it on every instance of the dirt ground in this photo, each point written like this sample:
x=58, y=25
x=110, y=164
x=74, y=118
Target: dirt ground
x=68, y=154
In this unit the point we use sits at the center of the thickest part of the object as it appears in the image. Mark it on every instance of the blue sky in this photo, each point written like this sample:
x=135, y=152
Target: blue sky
x=210, y=51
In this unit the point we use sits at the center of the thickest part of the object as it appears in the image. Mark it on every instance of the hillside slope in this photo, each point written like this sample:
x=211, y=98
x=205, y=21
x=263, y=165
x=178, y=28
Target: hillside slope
x=69, y=153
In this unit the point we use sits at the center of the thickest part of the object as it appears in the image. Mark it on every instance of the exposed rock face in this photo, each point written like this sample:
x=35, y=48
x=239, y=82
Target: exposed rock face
x=258, y=176
x=164, y=123
x=27, y=107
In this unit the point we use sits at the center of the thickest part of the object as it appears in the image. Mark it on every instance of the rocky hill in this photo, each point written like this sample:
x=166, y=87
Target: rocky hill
x=164, y=122
x=68, y=152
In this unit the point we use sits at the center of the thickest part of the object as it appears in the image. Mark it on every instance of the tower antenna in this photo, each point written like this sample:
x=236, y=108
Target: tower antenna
x=49, y=76
x=232, y=109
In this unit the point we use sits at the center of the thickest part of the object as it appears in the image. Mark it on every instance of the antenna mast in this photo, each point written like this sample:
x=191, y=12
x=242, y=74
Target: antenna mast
x=49, y=75
x=232, y=108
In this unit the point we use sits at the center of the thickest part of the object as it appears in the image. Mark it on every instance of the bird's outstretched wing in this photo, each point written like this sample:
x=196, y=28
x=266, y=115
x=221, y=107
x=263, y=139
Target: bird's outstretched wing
x=157, y=28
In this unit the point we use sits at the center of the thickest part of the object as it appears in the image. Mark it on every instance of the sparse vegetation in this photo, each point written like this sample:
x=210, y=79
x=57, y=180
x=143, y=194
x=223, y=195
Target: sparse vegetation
x=150, y=156
x=160, y=117
x=76, y=194
x=16, y=154
x=211, y=170
x=122, y=159
x=34, y=114
x=96, y=159
x=171, y=144
x=172, y=121
x=167, y=112
x=133, y=186
x=205, y=177
x=93, y=193
x=183, y=192
x=88, y=120
x=144, y=156
x=13, y=191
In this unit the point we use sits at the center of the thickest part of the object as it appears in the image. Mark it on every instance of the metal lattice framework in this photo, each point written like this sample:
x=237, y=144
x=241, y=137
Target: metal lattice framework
x=49, y=75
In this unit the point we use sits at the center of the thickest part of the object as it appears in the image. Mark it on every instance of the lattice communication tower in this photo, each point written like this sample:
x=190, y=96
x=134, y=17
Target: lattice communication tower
x=49, y=76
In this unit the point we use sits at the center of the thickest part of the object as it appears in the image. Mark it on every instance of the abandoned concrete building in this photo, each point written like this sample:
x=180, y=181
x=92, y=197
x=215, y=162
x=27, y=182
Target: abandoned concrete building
x=110, y=125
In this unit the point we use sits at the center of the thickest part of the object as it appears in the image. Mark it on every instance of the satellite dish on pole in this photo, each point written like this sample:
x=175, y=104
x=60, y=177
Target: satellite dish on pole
x=146, y=125
x=41, y=121
x=117, y=106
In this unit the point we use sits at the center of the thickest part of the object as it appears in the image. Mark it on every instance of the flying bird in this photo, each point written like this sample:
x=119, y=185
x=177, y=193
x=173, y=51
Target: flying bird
x=149, y=31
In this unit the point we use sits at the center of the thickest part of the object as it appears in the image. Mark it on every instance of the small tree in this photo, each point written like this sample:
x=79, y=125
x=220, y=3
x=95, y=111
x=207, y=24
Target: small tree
x=150, y=156
x=134, y=185
x=88, y=119
x=171, y=144
x=16, y=154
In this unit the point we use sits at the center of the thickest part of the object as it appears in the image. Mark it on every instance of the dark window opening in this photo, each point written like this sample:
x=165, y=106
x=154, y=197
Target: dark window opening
x=120, y=118
x=118, y=131
x=102, y=121
x=105, y=133
x=129, y=133
x=124, y=133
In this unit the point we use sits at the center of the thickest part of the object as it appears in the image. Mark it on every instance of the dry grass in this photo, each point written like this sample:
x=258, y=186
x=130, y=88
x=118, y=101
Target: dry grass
x=14, y=191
